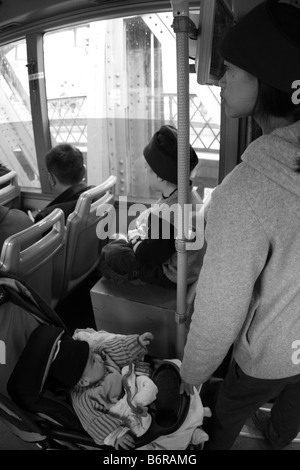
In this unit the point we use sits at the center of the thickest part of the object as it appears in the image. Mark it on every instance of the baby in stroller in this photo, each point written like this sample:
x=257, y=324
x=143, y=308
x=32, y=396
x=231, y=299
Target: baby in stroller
x=113, y=390
x=109, y=385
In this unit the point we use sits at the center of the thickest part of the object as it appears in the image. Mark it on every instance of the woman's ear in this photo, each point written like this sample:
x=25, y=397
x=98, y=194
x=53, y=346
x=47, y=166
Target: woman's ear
x=83, y=173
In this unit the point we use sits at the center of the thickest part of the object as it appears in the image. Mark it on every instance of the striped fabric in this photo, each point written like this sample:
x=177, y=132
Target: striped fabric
x=93, y=415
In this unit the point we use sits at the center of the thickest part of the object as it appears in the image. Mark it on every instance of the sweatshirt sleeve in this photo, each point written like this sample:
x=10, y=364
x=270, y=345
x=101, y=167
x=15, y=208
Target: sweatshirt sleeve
x=122, y=349
x=97, y=423
x=159, y=245
x=237, y=249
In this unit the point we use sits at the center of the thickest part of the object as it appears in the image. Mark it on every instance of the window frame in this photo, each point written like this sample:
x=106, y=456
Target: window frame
x=33, y=33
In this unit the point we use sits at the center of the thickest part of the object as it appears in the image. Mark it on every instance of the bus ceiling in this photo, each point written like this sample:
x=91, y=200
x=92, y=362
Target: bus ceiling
x=19, y=14
x=14, y=17
x=24, y=13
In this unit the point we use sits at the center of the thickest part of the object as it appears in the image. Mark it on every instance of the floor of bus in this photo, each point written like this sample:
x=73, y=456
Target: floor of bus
x=76, y=311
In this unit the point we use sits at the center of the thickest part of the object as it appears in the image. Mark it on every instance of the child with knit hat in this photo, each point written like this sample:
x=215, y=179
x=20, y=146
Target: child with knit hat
x=109, y=384
x=250, y=294
x=105, y=377
x=148, y=252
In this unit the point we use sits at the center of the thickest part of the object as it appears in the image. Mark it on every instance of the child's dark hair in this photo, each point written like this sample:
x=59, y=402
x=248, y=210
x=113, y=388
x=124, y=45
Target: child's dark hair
x=66, y=162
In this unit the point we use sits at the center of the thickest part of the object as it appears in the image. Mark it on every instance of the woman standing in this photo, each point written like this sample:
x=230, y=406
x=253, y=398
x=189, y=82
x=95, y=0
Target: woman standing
x=249, y=287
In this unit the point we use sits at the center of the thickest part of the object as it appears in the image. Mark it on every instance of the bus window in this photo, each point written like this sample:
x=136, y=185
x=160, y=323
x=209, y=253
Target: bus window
x=110, y=84
x=17, y=149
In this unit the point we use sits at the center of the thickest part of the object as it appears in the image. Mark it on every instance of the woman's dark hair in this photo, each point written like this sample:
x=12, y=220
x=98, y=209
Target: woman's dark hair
x=271, y=101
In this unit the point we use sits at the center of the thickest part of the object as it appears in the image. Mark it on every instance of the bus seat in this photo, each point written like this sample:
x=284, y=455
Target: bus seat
x=10, y=190
x=136, y=307
x=87, y=230
x=36, y=255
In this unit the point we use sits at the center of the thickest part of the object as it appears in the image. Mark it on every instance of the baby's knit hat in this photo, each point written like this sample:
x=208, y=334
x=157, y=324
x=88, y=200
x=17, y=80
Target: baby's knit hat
x=266, y=43
x=70, y=361
x=161, y=154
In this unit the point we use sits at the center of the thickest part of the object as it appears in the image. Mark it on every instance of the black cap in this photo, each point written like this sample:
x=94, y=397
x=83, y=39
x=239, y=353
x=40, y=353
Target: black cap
x=161, y=154
x=266, y=43
x=70, y=361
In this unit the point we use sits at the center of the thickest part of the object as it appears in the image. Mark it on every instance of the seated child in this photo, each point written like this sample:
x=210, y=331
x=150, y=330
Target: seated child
x=66, y=173
x=109, y=384
x=148, y=251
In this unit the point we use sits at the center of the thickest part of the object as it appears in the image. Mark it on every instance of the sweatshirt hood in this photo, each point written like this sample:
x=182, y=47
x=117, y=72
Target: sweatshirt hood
x=277, y=156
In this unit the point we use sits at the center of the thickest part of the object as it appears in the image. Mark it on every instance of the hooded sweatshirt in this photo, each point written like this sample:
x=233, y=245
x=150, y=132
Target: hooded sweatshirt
x=249, y=286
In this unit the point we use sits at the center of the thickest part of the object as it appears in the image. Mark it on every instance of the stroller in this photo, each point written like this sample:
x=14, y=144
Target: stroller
x=44, y=415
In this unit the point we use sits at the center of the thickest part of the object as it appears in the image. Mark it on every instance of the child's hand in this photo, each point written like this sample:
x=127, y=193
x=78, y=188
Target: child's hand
x=133, y=236
x=125, y=442
x=145, y=339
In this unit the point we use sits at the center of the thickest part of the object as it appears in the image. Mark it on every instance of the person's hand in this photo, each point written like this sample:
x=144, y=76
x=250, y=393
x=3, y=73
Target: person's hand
x=133, y=236
x=145, y=339
x=125, y=442
x=136, y=234
x=186, y=388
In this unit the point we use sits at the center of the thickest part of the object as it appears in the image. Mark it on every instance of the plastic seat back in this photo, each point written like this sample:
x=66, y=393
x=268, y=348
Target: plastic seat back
x=9, y=190
x=87, y=230
x=37, y=256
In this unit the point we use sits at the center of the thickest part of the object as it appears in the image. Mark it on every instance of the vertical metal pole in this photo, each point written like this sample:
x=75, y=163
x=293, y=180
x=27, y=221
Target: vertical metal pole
x=181, y=28
x=38, y=102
